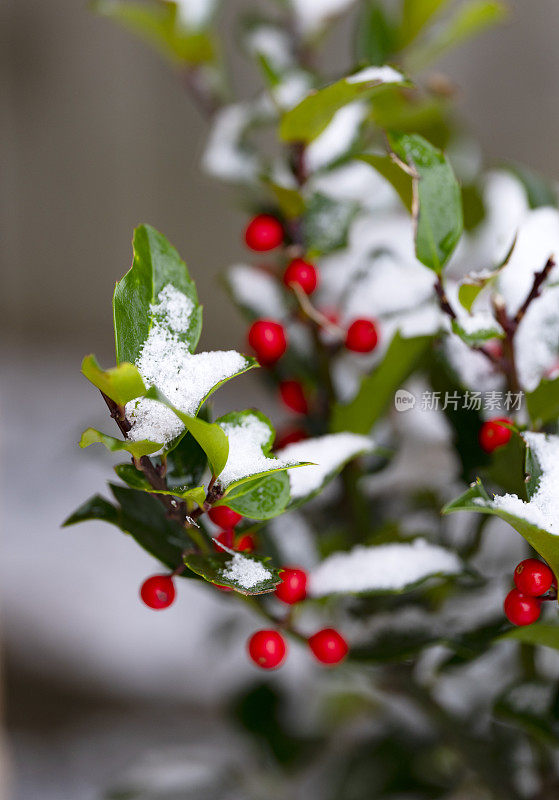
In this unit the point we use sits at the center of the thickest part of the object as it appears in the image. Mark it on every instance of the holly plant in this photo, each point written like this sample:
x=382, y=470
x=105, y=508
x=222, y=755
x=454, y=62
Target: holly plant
x=401, y=301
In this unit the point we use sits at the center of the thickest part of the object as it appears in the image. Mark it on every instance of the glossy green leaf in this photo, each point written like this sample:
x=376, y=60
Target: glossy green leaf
x=145, y=519
x=399, y=180
x=214, y=568
x=260, y=499
x=254, y=436
x=136, y=449
x=94, y=508
x=377, y=389
x=137, y=480
x=478, y=336
x=375, y=34
x=160, y=25
x=437, y=204
x=415, y=16
x=186, y=463
x=209, y=435
x=311, y=116
x=540, y=633
x=543, y=402
x=543, y=542
x=469, y=19
x=121, y=384
x=156, y=264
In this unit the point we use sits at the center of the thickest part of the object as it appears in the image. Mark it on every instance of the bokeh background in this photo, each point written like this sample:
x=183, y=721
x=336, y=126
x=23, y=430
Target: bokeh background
x=97, y=136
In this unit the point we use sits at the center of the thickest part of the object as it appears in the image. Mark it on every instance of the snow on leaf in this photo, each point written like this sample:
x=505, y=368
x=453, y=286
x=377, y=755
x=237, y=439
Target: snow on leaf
x=313, y=15
x=327, y=455
x=385, y=568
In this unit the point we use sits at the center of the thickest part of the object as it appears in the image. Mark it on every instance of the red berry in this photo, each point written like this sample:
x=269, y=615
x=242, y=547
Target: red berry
x=521, y=609
x=328, y=646
x=264, y=232
x=293, y=396
x=361, y=336
x=245, y=544
x=533, y=577
x=158, y=591
x=302, y=273
x=293, y=586
x=267, y=649
x=289, y=436
x=224, y=516
x=495, y=347
x=492, y=435
x=227, y=538
x=267, y=339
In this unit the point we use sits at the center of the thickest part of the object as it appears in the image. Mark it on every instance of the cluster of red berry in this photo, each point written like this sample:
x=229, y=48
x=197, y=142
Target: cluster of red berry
x=266, y=337
x=533, y=579
x=268, y=648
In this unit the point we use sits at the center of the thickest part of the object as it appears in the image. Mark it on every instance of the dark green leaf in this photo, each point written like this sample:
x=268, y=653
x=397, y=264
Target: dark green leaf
x=156, y=264
x=263, y=498
x=540, y=633
x=94, y=508
x=437, y=206
x=311, y=116
x=214, y=568
x=137, y=449
x=121, y=384
x=543, y=402
x=391, y=644
x=137, y=480
x=326, y=224
x=377, y=389
x=186, y=463
x=375, y=35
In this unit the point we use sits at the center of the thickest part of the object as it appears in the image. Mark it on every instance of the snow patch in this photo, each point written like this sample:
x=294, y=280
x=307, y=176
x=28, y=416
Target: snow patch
x=225, y=157
x=312, y=15
x=256, y=290
x=245, y=572
x=381, y=74
x=195, y=13
x=337, y=138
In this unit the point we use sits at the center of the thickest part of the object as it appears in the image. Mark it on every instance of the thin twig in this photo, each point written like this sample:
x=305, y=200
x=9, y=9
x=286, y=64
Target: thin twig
x=535, y=291
x=313, y=313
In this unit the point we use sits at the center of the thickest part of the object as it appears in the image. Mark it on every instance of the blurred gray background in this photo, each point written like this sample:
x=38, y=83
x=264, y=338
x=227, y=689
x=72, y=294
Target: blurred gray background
x=97, y=136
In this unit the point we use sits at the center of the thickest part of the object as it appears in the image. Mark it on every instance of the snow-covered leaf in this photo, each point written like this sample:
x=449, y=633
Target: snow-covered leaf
x=136, y=480
x=166, y=26
x=311, y=116
x=251, y=437
x=377, y=389
x=121, y=383
x=437, y=204
x=246, y=574
x=155, y=295
x=137, y=448
x=537, y=519
x=263, y=498
x=382, y=569
x=326, y=456
x=475, y=282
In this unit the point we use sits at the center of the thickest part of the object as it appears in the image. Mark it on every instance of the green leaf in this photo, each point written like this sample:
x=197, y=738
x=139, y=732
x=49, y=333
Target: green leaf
x=137, y=480
x=474, y=282
x=398, y=179
x=209, y=435
x=326, y=224
x=260, y=499
x=415, y=15
x=156, y=264
x=479, y=335
x=532, y=706
x=160, y=25
x=311, y=116
x=121, y=384
x=137, y=449
x=145, y=519
x=212, y=567
x=437, y=206
x=290, y=201
x=375, y=35
x=94, y=508
x=377, y=389
x=540, y=633
x=543, y=402
x=470, y=19
x=477, y=499
x=253, y=436
x=186, y=463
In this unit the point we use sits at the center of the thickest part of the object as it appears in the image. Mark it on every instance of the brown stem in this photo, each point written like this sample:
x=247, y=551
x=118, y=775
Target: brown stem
x=535, y=291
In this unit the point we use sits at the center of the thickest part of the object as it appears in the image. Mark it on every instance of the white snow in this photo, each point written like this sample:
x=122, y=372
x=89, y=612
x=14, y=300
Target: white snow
x=165, y=362
x=473, y=369
x=381, y=74
x=337, y=138
x=257, y=290
x=478, y=322
x=271, y=43
x=292, y=89
x=542, y=509
x=245, y=572
x=537, y=339
x=385, y=567
x=196, y=13
x=355, y=181
x=327, y=454
x=224, y=156
x=312, y=15
x=246, y=437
